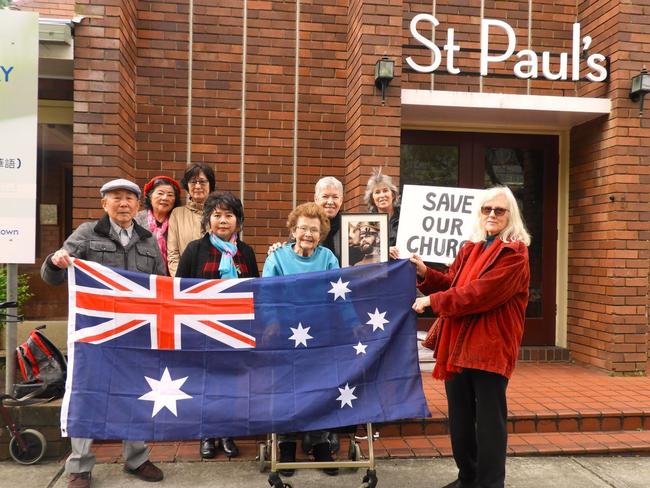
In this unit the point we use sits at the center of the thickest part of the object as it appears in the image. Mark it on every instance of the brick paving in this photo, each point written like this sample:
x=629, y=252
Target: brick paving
x=554, y=409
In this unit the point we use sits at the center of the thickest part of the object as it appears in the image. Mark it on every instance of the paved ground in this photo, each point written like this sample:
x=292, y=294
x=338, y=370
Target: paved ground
x=537, y=472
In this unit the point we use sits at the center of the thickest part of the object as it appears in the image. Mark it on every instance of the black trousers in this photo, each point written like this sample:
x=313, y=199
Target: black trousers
x=478, y=416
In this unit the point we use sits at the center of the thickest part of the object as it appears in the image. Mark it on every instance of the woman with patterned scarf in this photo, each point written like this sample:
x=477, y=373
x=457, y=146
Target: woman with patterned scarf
x=481, y=304
x=161, y=195
x=219, y=254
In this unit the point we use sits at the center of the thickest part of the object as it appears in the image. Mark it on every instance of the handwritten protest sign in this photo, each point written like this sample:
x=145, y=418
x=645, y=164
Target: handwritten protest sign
x=435, y=221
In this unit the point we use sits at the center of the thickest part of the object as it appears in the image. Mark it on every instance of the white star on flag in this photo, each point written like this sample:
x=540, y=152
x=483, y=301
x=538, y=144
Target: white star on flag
x=300, y=335
x=346, y=395
x=377, y=320
x=165, y=393
x=360, y=348
x=339, y=289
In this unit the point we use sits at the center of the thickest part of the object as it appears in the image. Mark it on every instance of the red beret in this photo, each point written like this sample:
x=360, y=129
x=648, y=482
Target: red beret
x=148, y=186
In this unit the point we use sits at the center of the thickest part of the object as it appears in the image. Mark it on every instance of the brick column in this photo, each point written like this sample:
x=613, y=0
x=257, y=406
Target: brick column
x=609, y=203
x=162, y=65
x=104, y=101
x=372, y=129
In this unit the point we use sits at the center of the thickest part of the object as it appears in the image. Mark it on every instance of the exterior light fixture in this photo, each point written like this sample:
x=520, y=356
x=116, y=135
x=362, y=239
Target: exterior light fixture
x=640, y=86
x=384, y=69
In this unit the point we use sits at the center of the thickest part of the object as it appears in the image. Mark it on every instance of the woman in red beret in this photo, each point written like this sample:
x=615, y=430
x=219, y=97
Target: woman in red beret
x=161, y=195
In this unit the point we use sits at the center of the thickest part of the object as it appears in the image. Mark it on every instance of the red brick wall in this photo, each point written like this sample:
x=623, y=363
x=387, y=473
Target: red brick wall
x=609, y=204
x=161, y=87
x=373, y=128
x=323, y=93
x=104, y=108
x=56, y=9
x=126, y=77
x=270, y=91
x=144, y=55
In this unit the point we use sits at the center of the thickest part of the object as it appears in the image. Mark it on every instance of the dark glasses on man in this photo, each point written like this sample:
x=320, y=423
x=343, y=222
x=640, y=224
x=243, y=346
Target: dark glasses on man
x=498, y=211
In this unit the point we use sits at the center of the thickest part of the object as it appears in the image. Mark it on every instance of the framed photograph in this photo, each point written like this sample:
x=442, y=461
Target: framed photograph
x=364, y=239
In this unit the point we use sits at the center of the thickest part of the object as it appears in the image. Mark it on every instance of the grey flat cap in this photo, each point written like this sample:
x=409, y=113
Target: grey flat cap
x=120, y=184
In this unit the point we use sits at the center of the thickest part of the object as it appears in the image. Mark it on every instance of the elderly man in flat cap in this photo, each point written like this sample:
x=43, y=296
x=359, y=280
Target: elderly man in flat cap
x=114, y=240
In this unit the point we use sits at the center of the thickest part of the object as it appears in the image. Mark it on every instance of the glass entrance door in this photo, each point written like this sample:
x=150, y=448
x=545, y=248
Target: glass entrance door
x=528, y=165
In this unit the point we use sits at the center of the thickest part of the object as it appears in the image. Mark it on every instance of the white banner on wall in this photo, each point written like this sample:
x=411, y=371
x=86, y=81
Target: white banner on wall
x=435, y=221
x=18, y=129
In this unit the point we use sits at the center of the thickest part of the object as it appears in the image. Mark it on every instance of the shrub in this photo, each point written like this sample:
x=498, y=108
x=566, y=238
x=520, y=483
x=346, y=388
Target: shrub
x=23, y=287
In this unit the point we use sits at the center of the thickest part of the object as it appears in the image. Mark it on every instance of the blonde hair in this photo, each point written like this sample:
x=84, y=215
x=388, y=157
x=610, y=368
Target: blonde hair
x=378, y=178
x=515, y=229
x=309, y=210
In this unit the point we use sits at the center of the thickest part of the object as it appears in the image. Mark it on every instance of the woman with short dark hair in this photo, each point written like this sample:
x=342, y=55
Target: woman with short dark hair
x=219, y=254
x=185, y=222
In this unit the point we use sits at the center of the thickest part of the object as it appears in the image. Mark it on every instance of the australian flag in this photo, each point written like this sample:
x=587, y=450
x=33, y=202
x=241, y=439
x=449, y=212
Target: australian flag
x=161, y=358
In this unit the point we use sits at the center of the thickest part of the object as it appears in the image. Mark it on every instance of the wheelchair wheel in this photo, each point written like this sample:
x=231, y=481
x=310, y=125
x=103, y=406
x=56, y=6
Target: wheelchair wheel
x=35, y=445
x=354, y=453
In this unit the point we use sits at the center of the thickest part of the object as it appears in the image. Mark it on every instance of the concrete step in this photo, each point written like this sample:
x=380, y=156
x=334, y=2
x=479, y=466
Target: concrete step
x=587, y=433
x=570, y=421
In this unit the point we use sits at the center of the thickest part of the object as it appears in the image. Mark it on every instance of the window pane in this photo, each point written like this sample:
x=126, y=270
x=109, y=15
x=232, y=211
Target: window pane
x=523, y=171
x=429, y=165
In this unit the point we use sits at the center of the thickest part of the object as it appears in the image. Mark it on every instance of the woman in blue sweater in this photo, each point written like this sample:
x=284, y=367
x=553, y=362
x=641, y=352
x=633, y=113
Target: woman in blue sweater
x=308, y=225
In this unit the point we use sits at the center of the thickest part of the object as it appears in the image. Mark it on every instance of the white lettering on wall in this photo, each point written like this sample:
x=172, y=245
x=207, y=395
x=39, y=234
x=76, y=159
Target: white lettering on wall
x=528, y=61
x=485, y=43
x=435, y=51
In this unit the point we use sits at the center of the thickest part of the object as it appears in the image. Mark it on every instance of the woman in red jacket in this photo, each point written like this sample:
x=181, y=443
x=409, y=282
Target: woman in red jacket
x=481, y=302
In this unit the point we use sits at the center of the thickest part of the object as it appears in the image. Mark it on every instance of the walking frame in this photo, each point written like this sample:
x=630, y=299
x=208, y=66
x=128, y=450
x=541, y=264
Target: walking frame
x=355, y=460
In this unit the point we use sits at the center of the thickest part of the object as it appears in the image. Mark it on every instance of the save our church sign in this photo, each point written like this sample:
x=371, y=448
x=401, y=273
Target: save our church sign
x=435, y=221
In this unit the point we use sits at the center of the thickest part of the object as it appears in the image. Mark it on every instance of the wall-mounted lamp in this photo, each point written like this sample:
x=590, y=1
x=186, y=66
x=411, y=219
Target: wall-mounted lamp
x=384, y=74
x=640, y=86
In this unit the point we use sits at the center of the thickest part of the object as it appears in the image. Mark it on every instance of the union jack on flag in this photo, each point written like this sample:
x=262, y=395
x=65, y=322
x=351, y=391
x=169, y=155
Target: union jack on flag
x=164, y=304
x=160, y=358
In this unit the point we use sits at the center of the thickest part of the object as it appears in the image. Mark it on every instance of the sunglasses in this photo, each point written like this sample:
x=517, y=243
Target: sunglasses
x=498, y=211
